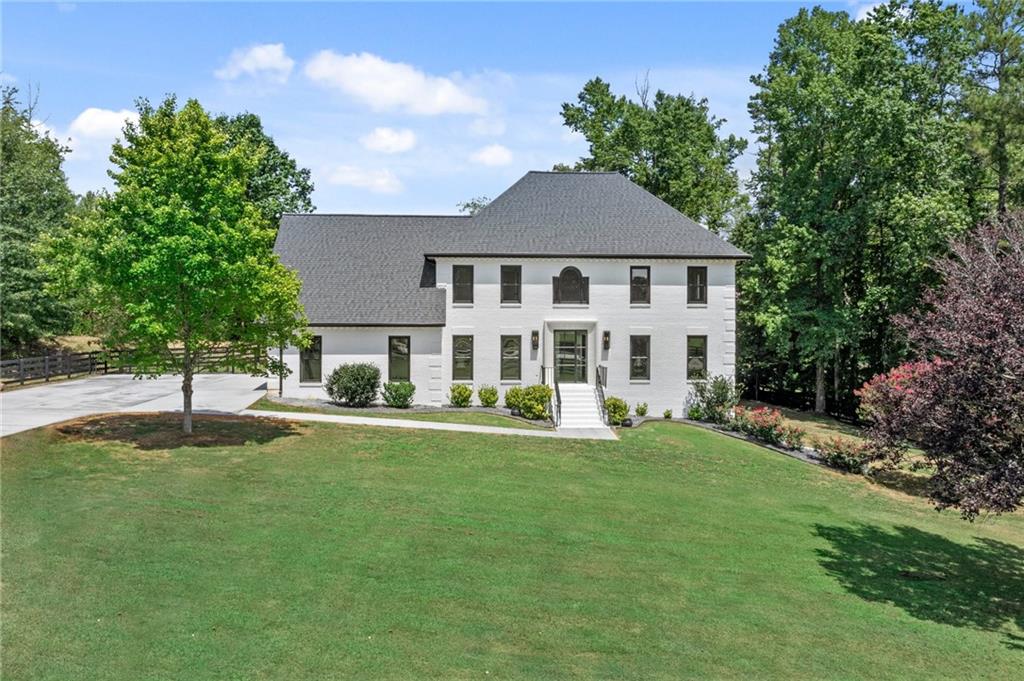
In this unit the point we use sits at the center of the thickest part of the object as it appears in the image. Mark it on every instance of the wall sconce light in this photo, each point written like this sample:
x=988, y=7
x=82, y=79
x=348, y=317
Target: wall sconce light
x=606, y=339
x=535, y=339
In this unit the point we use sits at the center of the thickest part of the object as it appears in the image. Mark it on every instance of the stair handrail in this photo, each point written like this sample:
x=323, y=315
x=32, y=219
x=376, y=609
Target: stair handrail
x=602, y=380
x=556, y=408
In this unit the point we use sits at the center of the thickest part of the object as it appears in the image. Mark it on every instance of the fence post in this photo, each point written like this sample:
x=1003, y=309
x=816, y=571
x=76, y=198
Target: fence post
x=21, y=370
x=46, y=368
x=67, y=360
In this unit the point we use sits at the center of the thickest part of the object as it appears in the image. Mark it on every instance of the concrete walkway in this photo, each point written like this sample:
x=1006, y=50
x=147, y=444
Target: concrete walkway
x=578, y=433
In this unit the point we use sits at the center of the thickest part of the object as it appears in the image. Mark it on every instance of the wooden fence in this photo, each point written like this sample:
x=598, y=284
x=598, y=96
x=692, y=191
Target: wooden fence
x=70, y=364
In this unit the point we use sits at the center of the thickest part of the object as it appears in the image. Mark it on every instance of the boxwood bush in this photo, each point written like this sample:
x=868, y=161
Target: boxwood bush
x=617, y=409
x=535, y=400
x=355, y=385
x=399, y=394
x=488, y=395
x=460, y=395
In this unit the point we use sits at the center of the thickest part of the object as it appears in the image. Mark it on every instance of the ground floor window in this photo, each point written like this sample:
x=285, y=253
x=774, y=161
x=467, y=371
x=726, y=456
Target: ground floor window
x=309, y=361
x=511, y=358
x=462, y=358
x=640, y=358
x=696, y=358
x=398, y=358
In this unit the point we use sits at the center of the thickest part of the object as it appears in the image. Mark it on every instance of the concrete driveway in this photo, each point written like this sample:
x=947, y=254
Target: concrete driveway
x=27, y=408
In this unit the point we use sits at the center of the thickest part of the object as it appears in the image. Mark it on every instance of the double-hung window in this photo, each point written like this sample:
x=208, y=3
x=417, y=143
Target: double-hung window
x=511, y=284
x=309, y=361
x=696, y=358
x=639, y=285
x=511, y=358
x=639, y=358
x=398, y=358
x=462, y=358
x=462, y=283
x=697, y=285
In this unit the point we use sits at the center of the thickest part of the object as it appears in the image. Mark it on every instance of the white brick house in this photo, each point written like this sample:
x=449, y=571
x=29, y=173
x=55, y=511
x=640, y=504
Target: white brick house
x=564, y=277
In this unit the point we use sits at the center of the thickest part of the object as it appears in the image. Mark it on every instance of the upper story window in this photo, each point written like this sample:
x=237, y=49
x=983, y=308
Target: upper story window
x=462, y=283
x=309, y=361
x=639, y=284
x=697, y=285
x=511, y=284
x=570, y=287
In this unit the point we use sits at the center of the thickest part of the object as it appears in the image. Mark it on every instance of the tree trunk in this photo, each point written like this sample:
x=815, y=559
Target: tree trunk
x=819, y=388
x=186, y=392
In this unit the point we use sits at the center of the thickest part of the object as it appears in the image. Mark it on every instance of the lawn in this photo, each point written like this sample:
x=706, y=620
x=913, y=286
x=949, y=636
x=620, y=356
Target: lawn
x=266, y=549
x=476, y=418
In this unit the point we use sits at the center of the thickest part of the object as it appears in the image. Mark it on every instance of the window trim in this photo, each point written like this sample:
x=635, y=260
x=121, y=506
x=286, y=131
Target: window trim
x=408, y=359
x=645, y=300
x=704, y=358
x=519, y=357
x=472, y=359
x=632, y=355
x=455, y=285
x=319, y=341
x=691, y=289
x=518, y=269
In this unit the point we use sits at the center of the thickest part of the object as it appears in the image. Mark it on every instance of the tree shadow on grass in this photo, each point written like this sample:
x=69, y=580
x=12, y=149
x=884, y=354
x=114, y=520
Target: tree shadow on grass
x=914, y=484
x=979, y=585
x=163, y=431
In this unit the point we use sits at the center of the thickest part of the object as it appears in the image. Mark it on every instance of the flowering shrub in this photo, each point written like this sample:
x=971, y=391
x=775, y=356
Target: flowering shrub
x=767, y=425
x=488, y=395
x=843, y=453
x=714, y=399
x=460, y=395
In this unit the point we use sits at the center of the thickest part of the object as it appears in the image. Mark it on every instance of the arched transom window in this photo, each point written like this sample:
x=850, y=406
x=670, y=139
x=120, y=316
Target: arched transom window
x=570, y=287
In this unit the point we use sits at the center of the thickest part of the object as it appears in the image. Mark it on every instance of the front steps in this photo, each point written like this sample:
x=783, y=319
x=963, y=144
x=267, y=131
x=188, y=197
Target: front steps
x=580, y=407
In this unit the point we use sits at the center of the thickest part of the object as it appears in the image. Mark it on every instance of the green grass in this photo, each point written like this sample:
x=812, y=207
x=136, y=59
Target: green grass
x=476, y=418
x=266, y=550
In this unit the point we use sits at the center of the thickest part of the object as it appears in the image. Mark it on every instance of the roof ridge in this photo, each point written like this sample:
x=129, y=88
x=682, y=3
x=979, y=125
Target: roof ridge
x=573, y=172
x=377, y=215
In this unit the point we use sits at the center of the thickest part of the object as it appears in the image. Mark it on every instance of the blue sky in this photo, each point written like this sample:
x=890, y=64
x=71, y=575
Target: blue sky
x=404, y=108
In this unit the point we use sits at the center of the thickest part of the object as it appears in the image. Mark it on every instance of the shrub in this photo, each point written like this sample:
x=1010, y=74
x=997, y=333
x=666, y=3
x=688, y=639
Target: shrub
x=399, y=394
x=488, y=395
x=514, y=397
x=460, y=395
x=355, y=385
x=714, y=399
x=694, y=413
x=767, y=425
x=641, y=409
x=617, y=409
x=843, y=454
x=535, y=401
x=667, y=414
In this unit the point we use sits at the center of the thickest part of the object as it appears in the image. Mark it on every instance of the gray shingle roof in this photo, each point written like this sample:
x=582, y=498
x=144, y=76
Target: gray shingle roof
x=373, y=269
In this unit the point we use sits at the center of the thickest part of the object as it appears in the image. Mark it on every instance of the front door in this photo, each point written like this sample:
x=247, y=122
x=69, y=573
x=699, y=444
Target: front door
x=571, y=356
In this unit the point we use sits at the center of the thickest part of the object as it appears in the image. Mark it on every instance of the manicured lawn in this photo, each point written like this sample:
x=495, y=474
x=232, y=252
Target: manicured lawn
x=476, y=418
x=293, y=551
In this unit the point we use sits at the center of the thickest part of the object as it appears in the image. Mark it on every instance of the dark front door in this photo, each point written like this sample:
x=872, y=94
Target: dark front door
x=571, y=356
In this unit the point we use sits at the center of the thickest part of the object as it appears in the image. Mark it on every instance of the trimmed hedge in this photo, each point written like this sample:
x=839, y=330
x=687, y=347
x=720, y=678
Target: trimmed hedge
x=355, y=385
x=399, y=394
x=535, y=401
x=617, y=408
x=460, y=395
x=488, y=395
x=514, y=397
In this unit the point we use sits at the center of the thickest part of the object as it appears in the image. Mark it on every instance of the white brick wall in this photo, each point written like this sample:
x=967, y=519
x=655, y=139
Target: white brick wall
x=668, y=320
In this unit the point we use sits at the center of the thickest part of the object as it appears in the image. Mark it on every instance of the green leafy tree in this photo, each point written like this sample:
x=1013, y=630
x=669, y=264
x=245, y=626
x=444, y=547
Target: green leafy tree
x=669, y=145
x=34, y=201
x=474, y=205
x=180, y=256
x=863, y=176
x=277, y=185
x=995, y=96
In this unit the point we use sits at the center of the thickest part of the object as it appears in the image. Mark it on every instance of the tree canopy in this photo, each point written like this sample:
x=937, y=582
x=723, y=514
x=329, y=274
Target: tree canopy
x=34, y=201
x=670, y=145
x=180, y=255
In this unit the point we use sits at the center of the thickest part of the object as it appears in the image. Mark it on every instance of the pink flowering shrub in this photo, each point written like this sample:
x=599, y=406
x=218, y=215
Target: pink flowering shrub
x=767, y=425
x=843, y=453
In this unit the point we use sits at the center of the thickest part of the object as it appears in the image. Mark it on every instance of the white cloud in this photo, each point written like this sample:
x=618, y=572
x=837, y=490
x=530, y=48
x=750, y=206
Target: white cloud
x=7, y=79
x=377, y=181
x=389, y=140
x=487, y=127
x=863, y=10
x=267, y=61
x=492, y=155
x=106, y=124
x=391, y=86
